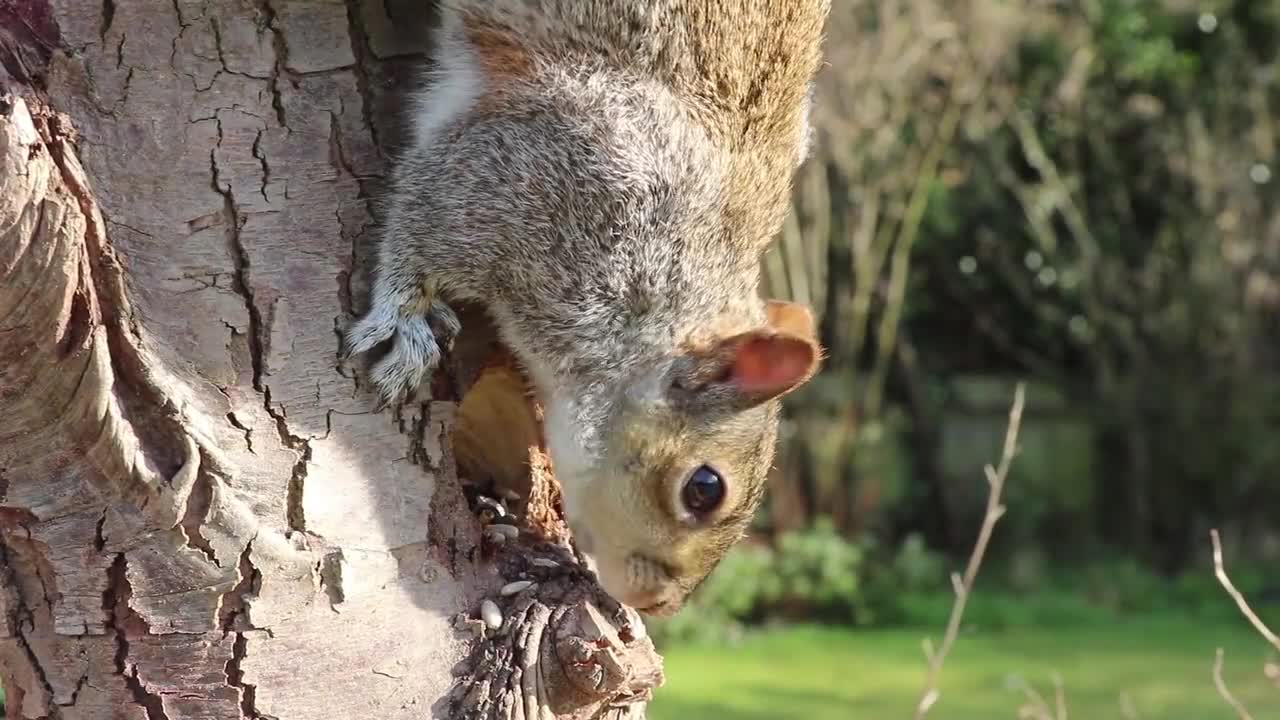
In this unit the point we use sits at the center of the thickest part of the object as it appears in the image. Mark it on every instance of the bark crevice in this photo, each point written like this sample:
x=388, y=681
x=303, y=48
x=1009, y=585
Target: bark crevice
x=269, y=21
x=122, y=620
x=360, y=50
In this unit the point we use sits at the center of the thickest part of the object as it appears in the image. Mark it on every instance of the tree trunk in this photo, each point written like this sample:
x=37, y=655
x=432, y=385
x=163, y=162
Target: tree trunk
x=201, y=516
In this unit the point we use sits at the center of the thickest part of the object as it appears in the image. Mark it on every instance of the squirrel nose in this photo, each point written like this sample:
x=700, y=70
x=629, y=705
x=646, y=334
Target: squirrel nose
x=660, y=608
x=646, y=601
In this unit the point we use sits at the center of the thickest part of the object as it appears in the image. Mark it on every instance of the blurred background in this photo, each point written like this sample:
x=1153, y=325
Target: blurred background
x=1080, y=195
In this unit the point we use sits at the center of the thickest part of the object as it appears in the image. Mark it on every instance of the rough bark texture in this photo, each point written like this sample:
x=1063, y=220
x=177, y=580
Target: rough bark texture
x=200, y=515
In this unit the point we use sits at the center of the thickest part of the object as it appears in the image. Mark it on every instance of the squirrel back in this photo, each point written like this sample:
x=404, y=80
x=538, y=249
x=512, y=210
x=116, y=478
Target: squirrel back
x=743, y=69
x=746, y=63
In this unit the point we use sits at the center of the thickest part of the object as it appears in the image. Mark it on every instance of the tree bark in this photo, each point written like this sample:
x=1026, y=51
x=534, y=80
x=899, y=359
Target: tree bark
x=201, y=516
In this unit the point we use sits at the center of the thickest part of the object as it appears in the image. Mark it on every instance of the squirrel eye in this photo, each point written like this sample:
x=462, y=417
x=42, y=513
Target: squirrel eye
x=703, y=491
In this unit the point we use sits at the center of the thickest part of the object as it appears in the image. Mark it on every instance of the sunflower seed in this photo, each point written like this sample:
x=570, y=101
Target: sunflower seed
x=511, y=532
x=491, y=615
x=512, y=588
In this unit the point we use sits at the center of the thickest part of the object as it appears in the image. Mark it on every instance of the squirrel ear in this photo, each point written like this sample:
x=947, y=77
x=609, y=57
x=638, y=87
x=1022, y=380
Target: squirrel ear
x=766, y=365
x=791, y=317
x=745, y=370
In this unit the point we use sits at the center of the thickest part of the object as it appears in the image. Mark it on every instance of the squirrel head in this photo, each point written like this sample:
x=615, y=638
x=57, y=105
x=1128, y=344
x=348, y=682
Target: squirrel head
x=679, y=466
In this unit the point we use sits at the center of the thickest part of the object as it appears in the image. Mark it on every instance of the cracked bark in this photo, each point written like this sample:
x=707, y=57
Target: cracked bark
x=198, y=508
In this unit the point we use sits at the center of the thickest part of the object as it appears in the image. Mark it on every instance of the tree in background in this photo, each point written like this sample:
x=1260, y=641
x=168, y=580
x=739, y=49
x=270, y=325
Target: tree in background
x=1078, y=192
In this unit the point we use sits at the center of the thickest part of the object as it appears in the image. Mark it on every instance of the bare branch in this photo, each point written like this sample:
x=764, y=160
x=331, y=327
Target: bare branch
x=1230, y=699
x=929, y=695
x=1221, y=572
x=1059, y=696
x=1036, y=707
x=1127, y=709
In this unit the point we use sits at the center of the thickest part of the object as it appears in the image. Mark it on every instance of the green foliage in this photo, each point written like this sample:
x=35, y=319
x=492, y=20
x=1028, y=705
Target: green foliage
x=1139, y=44
x=1097, y=225
x=699, y=623
x=817, y=575
x=817, y=570
x=1126, y=586
x=916, y=568
x=1102, y=237
x=998, y=610
x=901, y=586
x=810, y=574
x=744, y=581
x=734, y=592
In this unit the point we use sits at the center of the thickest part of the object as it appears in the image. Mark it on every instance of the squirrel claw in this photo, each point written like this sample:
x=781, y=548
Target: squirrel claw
x=444, y=322
x=415, y=349
x=375, y=327
x=415, y=352
x=403, y=370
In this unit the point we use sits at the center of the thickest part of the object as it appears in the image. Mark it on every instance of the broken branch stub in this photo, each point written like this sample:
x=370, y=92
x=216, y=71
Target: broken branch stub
x=562, y=647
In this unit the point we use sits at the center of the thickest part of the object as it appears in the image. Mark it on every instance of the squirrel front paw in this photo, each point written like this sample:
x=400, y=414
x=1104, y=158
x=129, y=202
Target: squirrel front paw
x=417, y=340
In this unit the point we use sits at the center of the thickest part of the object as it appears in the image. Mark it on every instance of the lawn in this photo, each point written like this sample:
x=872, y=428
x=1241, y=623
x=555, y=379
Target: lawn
x=817, y=673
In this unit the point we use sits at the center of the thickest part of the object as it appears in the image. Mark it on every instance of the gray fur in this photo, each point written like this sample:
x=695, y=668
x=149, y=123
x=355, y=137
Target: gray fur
x=603, y=176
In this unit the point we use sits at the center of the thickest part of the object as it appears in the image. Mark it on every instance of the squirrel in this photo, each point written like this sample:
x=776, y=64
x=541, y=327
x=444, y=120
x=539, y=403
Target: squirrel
x=603, y=177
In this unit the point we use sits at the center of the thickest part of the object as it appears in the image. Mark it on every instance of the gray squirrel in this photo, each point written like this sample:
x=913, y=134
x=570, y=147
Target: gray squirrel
x=603, y=176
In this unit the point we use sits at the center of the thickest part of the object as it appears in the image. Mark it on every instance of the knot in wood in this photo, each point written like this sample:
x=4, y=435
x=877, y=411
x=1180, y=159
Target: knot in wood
x=557, y=655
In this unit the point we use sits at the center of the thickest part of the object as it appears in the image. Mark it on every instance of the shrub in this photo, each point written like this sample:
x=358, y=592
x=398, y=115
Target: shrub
x=817, y=572
x=810, y=574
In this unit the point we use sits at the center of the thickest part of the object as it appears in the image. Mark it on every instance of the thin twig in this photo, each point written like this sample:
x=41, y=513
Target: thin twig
x=995, y=478
x=1230, y=699
x=1127, y=709
x=1036, y=708
x=1250, y=615
x=1059, y=696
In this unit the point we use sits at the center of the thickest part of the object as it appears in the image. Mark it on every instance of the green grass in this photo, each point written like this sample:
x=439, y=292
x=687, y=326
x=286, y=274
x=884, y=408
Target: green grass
x=820, y=673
